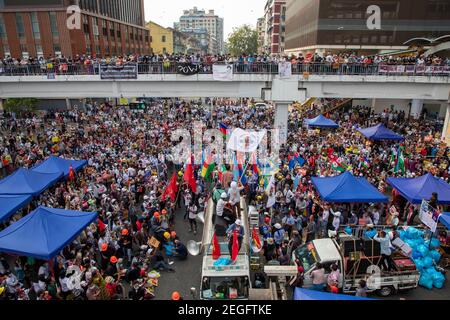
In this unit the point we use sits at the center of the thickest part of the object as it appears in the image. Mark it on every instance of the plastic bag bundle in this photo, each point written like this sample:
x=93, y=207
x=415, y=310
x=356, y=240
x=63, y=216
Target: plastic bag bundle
x=413, y=233
x=426, y=280
x=222, y=262
x=402, y=234
x=435, y=243
x=435, y=255
x=348, y=230
x=370, y=234
x=423, y=250
x=419, y=264
x=428, y=262
x=438, y=279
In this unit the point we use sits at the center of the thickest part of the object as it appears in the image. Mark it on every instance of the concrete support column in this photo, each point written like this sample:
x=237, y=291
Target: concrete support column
x=446, y=129
x=1, y=104
x=416, y=108
x=281, y=119
x=68, y=104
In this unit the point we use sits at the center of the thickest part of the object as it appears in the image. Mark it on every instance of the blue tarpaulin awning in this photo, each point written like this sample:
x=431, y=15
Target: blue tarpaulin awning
x=417, y=189
x=380, y=132
x=304, y=294
x=28, y=182
x=322, y=122
x=9, y=204
x=346, y=188
x=43, y=233
x=56, y=164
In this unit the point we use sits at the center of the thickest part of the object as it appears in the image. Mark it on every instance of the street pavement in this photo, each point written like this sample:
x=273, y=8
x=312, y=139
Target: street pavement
x=188, y=272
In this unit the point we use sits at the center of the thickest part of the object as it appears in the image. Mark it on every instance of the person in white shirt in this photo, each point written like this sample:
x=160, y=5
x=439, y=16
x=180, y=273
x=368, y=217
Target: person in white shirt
x=336, y=220
x=221, y=204
x=235, y=197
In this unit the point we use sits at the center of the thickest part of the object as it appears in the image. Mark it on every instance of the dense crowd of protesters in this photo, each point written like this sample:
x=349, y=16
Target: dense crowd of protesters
x=130, y=164
x=90, y=63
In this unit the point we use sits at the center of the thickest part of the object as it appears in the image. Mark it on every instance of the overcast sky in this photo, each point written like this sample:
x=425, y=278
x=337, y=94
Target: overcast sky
x=234, y=12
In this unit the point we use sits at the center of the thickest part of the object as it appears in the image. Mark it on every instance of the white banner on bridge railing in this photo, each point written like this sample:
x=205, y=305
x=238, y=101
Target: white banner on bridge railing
x=223, y=72
x=285, y=70
x=414, y=69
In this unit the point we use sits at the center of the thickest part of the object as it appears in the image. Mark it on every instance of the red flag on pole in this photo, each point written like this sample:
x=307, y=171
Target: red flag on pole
x=216, y=248
x=256, y=239
x=189, y=177
x=71, y=173
x=171, y=189
x=101, y=225
x=235, y=248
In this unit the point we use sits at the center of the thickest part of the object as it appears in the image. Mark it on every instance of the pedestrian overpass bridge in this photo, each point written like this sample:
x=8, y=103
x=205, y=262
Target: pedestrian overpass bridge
x=269, y=87
x=379, y=83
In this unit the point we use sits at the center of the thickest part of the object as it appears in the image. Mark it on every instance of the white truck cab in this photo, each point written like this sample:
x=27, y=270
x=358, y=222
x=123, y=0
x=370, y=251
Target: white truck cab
x=328, y=252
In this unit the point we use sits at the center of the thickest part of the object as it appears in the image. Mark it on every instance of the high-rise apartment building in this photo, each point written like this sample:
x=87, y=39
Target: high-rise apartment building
x=363, y=26
x=275, y=26
x=103, y=28
x=260, y=28
x=195, y=19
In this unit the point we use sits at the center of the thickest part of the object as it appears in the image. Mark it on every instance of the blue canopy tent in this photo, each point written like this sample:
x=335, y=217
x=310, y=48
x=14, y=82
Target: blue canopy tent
x=380, y=132
x=322, y=122
x=417, y=189
x=9, y=204
x=44, y=232
x=445, y=219
x=56, y=164
x=304, y=294
x=28, y=182
x=346, y=188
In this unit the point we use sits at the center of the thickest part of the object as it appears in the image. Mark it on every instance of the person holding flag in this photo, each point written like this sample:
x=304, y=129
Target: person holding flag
x=235, y=233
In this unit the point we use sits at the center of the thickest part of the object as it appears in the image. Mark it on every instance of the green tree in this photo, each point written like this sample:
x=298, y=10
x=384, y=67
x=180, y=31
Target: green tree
x=20, y=105
x=243, y=40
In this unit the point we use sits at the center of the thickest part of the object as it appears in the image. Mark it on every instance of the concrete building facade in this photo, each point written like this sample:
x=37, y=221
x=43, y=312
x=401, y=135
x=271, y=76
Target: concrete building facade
x=104, y=28
x=195, y=19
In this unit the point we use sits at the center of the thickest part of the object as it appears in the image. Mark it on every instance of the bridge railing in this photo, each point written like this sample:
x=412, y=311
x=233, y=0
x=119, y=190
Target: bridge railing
x=238, y=68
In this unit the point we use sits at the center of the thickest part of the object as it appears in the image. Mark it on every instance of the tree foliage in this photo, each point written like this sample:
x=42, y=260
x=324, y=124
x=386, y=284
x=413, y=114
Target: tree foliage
x=243, y=40
x=20, y=105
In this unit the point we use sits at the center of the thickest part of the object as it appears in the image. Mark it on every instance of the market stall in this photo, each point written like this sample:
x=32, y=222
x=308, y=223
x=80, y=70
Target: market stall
x=28, y=182
x=44, y=232
x=346, y=188
x=304, y=294
x=380, y=132
x=322, y=122
x=9, y=204
x=417, y=189
x=57, y=164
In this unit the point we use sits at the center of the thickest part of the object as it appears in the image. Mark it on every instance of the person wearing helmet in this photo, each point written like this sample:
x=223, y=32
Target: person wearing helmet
x=221, y=204
x=176, y=296
x=237, y=225
x=125, y=243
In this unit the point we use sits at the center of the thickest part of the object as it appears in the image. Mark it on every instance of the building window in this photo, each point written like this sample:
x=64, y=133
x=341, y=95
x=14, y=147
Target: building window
x=163, y=39
x=19, y=25
x=39, y=51
x=35, y=25
x=119, y=34
x=57, y=47
x=54, y=24
x=2, y=28
x=23, y=48
x=6, y=50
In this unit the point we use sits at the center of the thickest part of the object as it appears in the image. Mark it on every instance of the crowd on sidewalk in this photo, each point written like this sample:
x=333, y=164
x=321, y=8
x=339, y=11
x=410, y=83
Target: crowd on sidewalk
x=130, y=164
